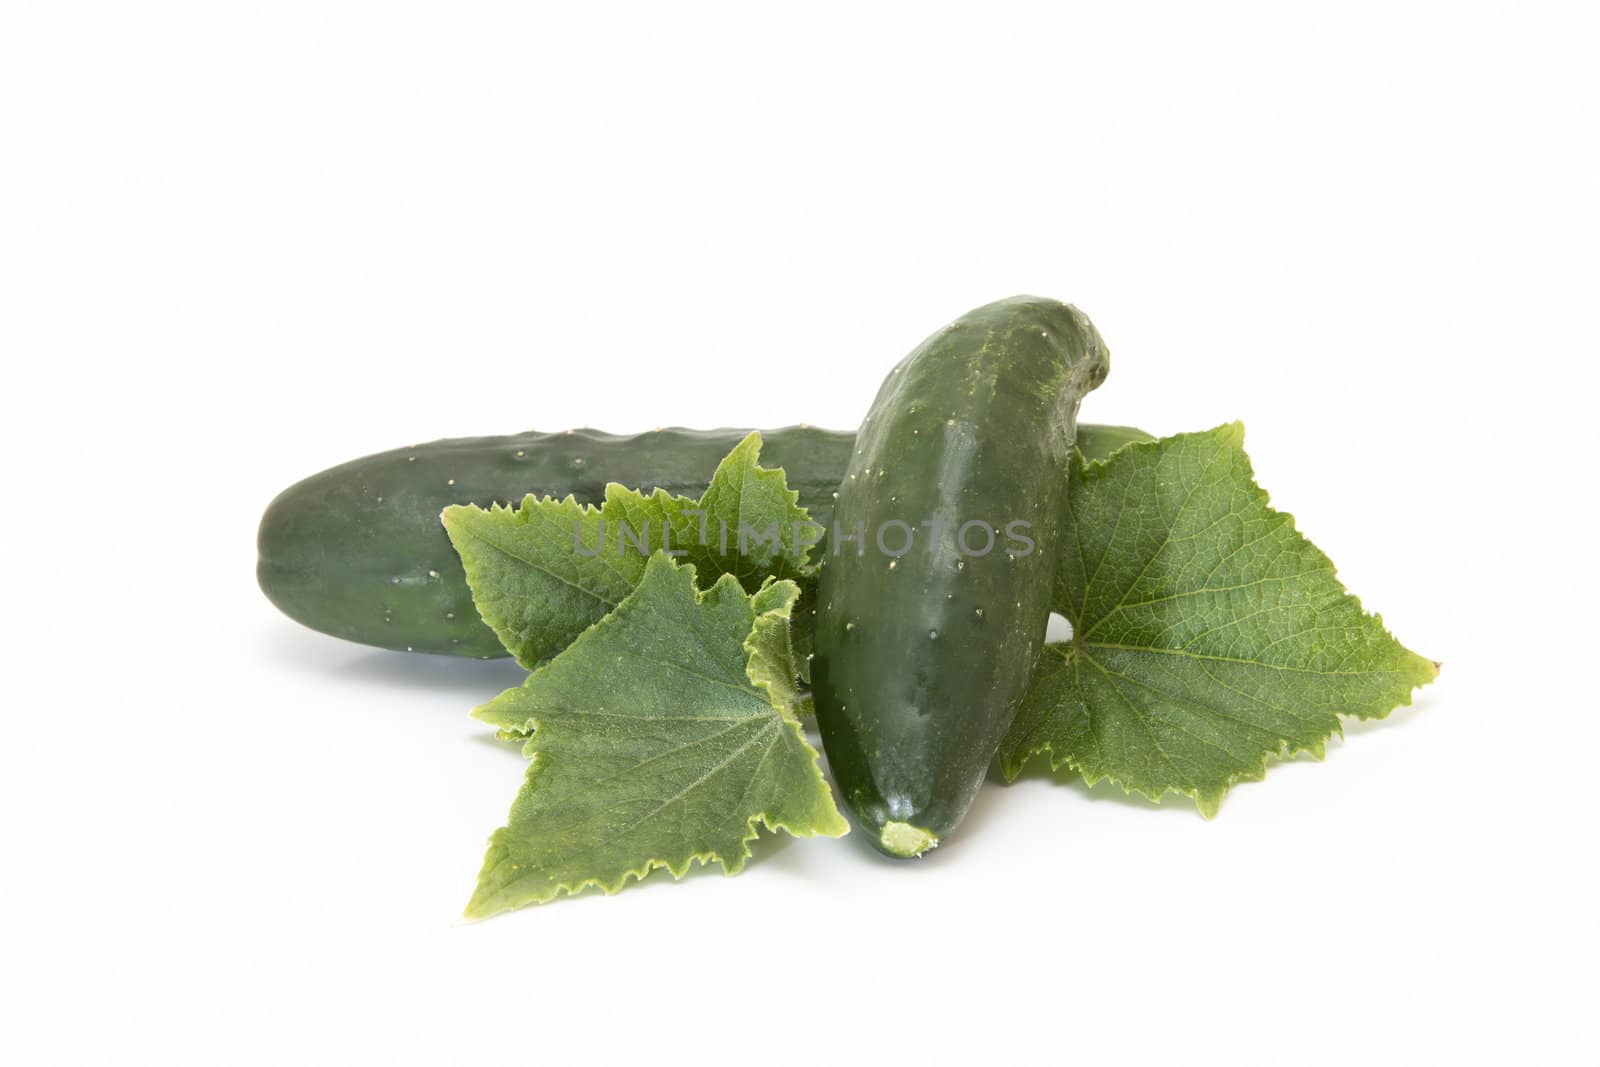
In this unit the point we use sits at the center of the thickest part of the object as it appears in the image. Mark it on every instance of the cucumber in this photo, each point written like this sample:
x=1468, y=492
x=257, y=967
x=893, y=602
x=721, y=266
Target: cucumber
x=923, y=645
x=357, y=551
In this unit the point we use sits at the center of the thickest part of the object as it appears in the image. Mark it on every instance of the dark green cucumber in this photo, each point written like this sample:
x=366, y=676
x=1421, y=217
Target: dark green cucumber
x=358, y=551
x=923, y=644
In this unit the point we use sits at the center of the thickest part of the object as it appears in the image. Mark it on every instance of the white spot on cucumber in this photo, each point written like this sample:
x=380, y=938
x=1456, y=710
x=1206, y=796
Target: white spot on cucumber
x=904, y=840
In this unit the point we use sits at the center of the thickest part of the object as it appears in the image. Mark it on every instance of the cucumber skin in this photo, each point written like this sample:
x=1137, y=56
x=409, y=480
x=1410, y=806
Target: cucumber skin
x=330, y=549
x=358, y=550
x=920, y=660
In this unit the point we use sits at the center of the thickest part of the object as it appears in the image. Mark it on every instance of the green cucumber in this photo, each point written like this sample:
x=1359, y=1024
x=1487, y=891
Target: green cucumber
x=924, y=644
x=357, y=551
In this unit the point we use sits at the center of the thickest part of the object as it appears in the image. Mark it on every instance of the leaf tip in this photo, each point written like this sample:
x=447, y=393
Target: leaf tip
x=452, y=513
x=1231, y=433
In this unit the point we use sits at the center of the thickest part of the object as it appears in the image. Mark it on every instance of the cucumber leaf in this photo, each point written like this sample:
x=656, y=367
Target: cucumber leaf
x=544, y=572
x=664, y=735
x=1208, y=635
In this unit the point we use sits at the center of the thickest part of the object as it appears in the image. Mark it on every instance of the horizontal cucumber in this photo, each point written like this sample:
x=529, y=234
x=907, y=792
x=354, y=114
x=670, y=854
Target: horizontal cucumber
x=928, y=627
x=358, y=551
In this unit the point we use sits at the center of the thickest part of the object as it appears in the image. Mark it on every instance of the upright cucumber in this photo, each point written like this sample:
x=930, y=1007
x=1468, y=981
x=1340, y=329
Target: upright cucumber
x=929, y=624
x=358, y=552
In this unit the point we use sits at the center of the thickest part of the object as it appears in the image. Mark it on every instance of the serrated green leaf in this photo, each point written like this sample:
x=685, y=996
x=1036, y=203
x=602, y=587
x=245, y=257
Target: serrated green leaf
x=544, y=572
x=1209, y=636
x=744, y=496
x=664, y=735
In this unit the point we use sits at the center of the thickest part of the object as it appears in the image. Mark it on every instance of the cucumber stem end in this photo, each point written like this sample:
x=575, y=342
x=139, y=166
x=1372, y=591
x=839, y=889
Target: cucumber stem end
x=904, y=840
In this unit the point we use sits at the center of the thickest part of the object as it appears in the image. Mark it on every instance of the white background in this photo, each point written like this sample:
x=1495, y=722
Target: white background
x=241, y=243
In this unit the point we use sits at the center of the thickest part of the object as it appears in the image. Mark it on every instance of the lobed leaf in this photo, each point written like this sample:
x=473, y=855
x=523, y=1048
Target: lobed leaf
x=664, y=735
x=1208, y=635
x=544, y=572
